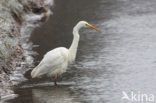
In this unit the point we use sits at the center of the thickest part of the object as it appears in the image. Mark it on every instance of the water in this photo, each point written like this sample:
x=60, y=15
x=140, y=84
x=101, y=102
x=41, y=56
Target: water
x=120, y=58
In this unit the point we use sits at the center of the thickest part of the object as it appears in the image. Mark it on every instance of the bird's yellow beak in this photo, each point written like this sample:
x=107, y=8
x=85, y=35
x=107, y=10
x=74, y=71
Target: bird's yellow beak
x=93, y=27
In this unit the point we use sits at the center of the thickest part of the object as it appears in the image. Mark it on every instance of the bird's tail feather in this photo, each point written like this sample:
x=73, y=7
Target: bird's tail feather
x=34, y=72
x=37, y=71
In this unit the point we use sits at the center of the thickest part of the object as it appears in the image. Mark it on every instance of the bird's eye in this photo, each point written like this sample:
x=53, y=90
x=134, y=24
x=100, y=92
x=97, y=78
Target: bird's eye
x=86, y=24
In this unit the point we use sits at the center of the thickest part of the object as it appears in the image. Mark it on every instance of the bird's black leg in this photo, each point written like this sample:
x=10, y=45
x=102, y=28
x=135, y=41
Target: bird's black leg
x=55, y=79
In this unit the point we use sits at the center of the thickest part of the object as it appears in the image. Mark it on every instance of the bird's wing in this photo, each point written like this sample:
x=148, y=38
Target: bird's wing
x=52, y=60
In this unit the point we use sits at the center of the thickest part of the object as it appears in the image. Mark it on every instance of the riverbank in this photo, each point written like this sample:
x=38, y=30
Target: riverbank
x=18, y=18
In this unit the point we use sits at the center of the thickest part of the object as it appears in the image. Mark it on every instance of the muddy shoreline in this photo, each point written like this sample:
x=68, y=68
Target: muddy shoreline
x=18, y=19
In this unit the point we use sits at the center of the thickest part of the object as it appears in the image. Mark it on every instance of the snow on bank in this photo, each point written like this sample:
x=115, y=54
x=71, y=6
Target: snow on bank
x=18, y=18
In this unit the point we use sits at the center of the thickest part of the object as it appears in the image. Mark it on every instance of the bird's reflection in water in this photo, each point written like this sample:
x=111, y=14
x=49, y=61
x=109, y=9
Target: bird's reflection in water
x=59, y=94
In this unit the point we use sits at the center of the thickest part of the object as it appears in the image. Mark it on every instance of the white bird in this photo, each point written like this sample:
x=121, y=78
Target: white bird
x=55, y=62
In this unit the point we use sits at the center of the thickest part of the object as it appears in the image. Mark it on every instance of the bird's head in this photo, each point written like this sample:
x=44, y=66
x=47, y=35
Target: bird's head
x=85, y=24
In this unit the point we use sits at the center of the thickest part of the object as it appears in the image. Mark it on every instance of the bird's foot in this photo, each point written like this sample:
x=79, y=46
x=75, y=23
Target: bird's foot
x=55, y=80
x=55, y=83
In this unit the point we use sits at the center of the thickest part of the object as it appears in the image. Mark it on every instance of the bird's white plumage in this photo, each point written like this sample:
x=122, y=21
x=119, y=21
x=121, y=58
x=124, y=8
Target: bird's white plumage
x=54, y=62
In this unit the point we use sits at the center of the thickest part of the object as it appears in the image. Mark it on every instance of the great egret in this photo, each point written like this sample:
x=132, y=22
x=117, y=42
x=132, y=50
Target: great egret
x=55, y=62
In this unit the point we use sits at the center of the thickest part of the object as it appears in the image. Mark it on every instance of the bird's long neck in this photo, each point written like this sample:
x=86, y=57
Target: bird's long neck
x=74, y=45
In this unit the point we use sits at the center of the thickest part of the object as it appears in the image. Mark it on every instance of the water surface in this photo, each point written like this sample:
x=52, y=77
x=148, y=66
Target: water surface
x=122, y=57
